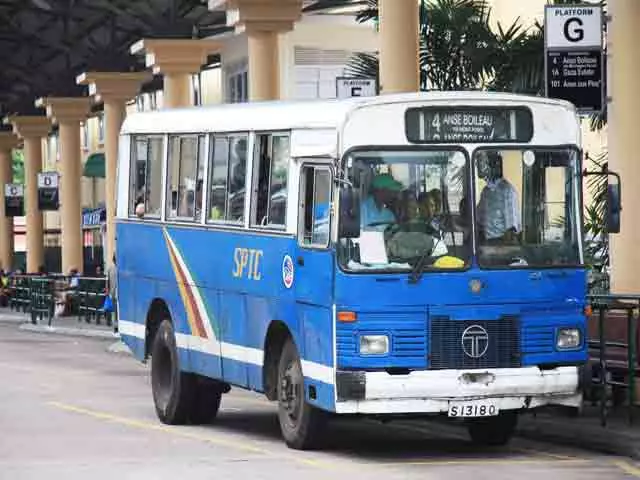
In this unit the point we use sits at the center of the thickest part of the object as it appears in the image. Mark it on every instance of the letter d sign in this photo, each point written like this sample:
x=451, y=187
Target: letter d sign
x=573, y=31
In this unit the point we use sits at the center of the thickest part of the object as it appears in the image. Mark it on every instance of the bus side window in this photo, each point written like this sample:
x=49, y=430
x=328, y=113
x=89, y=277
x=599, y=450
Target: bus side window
x=146, y=179
x=315, y=214
x=272, y=155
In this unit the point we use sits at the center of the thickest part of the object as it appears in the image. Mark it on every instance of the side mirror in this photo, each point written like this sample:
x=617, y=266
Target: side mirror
x=614, y=207
x=349, y=218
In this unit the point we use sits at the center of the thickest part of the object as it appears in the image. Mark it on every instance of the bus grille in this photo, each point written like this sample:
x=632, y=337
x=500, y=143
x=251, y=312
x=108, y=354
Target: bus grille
x=447, y=350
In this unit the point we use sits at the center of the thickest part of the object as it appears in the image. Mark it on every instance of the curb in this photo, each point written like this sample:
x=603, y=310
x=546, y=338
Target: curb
x=598, y=439
x=74, y=332
x=14, y=319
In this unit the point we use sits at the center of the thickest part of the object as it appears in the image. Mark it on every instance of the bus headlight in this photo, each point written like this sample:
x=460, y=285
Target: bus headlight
x=374, y=345
x=568, y=339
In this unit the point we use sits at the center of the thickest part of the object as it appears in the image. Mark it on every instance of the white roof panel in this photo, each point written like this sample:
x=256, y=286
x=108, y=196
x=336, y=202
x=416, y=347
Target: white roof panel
x=286, y=115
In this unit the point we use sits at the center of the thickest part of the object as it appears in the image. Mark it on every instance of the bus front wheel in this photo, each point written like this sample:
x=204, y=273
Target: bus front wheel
x=493, y=431
x=301, y=424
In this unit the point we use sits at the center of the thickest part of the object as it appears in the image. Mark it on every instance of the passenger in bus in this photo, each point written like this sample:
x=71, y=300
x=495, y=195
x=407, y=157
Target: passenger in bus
x=498, y=209
x=375, y=213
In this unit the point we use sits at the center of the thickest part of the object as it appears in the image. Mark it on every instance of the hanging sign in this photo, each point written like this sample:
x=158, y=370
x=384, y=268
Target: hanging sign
x=13, y=200
x=48, y=198
x=356, y=87
x=574, y=68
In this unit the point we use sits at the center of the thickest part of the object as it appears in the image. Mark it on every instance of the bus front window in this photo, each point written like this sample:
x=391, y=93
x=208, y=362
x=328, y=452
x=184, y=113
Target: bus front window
x=413, y=211
x=527, y=207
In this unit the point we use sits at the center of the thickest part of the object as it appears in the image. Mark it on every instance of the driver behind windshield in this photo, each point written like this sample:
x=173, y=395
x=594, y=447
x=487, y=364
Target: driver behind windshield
x=375, y=213
x=498, y=208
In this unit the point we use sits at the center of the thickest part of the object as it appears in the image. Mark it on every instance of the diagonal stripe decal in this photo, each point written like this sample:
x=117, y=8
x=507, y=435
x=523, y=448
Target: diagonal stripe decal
x=197, y=314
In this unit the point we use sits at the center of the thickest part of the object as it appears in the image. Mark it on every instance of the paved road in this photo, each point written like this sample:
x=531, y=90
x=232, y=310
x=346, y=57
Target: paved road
x=71, y=410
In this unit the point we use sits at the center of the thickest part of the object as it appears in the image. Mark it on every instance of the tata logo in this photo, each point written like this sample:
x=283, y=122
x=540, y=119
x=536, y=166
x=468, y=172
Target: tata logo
x=475, y=341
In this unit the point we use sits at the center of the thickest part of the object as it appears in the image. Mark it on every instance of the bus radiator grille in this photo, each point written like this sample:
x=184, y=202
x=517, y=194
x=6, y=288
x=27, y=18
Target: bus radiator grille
x=448, y=351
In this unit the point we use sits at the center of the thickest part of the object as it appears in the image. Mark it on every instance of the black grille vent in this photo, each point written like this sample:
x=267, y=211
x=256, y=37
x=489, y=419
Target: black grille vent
x=446, y=346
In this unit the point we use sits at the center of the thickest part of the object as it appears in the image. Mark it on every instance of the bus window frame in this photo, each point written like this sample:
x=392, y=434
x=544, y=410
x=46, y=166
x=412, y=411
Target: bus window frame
x=578, y=201
x=211, y=136
x=325, y=164
x=343, y=169
x=166, y=210
x=131, y=213
x=255, y=173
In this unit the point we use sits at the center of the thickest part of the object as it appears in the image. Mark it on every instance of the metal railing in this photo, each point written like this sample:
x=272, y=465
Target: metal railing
x=614, y=359
x=44, y=297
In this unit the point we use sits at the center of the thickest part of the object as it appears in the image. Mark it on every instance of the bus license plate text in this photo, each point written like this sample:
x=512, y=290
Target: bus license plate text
x=473, y=410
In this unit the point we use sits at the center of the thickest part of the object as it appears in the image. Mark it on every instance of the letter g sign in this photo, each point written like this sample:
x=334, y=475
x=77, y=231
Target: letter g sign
x=573, y=31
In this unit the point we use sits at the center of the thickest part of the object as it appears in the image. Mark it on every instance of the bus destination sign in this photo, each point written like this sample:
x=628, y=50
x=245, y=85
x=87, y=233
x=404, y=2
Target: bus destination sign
x=468, y=125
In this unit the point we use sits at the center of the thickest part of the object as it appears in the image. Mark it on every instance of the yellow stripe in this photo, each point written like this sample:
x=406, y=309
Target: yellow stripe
x=627, y=468
x=178, y=432
x=182, y=288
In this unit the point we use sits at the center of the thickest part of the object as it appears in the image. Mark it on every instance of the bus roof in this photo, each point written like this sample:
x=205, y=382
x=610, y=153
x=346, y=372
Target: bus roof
x=287, y=115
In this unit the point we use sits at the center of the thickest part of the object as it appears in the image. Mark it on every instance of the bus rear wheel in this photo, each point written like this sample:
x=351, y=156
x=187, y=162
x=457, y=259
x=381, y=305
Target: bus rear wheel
x=493, y=431
x=172, y=389
x=301, y=424
x=180, y=397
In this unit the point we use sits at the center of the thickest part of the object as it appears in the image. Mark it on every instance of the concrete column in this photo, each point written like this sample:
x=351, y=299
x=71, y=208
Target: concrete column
x=399, y=46
x=262, y=21
x=177, y=90
x=264, y=77
x=115, y=89
x=177, y=60
x=624, y=65
x=68, y=113
x=8, y=141
x=32, y=129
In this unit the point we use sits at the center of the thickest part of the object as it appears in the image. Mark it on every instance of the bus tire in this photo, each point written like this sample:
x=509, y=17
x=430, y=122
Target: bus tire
x=493, y=431
x=205, y=401
x=172, y=389
x=301, y=424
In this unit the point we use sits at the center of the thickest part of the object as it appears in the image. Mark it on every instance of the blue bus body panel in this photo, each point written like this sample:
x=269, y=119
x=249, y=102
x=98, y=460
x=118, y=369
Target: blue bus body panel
x=543, y=300
x=223, y=290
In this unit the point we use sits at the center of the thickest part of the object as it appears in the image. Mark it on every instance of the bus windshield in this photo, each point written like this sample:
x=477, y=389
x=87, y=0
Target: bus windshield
x=413, y=209
x=527, y=207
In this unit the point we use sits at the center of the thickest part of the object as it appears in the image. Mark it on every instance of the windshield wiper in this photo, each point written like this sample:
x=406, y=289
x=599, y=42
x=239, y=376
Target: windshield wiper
x=418, y=269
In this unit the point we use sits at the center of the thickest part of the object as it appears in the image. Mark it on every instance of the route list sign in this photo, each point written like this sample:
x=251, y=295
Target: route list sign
x=573, y=55
x=468, y=124
x=576, y=77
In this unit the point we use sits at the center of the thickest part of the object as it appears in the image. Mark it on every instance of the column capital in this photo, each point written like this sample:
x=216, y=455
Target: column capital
x=65, y=109
x=120, y=86
x=8, y=141
x=175, y=56
x=260, y=15
x=27, y=126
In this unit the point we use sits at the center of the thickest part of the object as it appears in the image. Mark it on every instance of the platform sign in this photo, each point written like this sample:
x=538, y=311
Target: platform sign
x=574, y=67
x=13, y=200
x=356, y=87
x=48, y=198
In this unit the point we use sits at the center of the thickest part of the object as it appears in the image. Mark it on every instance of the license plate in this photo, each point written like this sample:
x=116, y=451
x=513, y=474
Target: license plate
x=473, y=409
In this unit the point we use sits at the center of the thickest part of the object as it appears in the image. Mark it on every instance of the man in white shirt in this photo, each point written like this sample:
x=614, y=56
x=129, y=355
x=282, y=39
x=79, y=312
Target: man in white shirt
x=498, y=208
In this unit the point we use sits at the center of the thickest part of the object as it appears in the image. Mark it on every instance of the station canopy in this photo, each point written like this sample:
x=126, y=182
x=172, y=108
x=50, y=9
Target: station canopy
x=45, y=44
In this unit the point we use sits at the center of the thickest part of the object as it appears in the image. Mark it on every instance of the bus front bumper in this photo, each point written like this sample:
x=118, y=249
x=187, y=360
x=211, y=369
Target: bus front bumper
x=435, y=391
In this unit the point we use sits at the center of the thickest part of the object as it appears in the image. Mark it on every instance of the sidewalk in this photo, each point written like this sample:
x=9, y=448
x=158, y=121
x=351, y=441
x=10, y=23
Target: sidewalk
x=584, y=431
x=62, y=325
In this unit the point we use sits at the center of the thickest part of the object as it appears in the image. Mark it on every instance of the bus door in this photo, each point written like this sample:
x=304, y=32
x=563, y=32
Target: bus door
x=313, y=262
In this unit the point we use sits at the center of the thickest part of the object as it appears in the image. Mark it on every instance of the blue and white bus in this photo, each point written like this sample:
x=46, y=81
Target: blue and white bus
x=415, y=254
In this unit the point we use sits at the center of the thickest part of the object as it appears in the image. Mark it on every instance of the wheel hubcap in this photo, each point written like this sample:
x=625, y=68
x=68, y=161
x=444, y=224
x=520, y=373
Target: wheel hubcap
x=290, y=393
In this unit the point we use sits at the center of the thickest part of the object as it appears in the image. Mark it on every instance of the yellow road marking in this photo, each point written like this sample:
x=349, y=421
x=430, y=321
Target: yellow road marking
x=473, y=461
x=459, y=436
x=627, y=468
x=184, y=434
